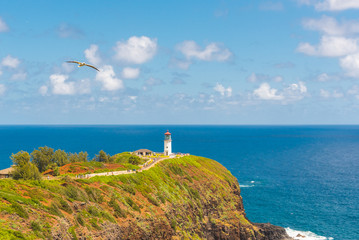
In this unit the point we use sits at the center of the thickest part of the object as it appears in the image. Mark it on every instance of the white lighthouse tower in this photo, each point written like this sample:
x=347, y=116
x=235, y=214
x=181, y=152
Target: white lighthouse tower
x=168, y=144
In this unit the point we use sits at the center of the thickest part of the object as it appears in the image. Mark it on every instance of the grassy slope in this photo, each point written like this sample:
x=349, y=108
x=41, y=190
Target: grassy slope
x=178, y=198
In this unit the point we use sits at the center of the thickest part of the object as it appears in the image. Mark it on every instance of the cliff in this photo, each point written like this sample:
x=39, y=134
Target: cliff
x=183, y=198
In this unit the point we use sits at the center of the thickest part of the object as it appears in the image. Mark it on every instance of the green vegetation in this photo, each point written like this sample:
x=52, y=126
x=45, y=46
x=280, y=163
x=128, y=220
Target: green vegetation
x=46, y=160
x=176, y=197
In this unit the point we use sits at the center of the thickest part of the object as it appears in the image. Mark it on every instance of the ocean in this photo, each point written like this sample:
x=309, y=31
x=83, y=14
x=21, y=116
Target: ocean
x=303, y=178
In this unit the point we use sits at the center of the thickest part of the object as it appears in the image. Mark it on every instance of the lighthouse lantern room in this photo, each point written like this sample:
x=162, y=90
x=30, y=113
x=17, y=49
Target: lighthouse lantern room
x=168, y=144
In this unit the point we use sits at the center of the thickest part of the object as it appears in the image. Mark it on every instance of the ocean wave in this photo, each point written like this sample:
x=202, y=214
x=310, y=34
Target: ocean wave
x=243, y=185
x=305, y=235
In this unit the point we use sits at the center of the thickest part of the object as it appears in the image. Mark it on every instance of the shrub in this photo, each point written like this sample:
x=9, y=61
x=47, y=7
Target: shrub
x=93, y=211
x=20, y=210
x=65, y=206
x=54, y=209
x=118, y=211
x=35, y=226
x=80, y=220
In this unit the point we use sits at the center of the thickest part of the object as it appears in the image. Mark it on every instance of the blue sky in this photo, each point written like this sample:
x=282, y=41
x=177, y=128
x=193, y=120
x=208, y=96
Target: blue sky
x=184, y=62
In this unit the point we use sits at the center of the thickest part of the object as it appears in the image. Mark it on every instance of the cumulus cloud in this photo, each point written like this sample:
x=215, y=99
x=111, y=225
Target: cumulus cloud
x=130, y=73
x=92, y=55
x=265, y=92
x=3, y=26
x=136, y=50
x=293, y=92
x=336, y=5
x=60, y=86
x=43, y=90
x=330, y=46
x=108, y=78
x=350, y=64
x=10, y=62
x=2, y=89
x=222, y=90
x=330, y=26
x=212, y=52
x=68, y=31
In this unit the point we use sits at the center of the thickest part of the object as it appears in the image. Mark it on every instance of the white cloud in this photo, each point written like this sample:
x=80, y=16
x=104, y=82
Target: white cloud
x=130, y=73
x=330, y=46
x=10, y=62
x=43, y=90
x=222, y=90
x=293, y=92
x=0, y=72
x=107, y=77
x=3, y=26
x=350, y=64
x=330, y=26
x=92, y=55
x=19, y=76
x=60, y=86
x=212, y=52
x=265, y=92
x=2, y=89
x=136, y=50
x=336, y=5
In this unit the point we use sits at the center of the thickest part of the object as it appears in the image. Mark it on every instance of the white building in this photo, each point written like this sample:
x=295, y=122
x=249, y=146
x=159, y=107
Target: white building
x=168, y=144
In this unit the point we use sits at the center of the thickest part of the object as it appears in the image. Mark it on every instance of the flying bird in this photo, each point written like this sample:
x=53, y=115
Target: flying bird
x=81, y=64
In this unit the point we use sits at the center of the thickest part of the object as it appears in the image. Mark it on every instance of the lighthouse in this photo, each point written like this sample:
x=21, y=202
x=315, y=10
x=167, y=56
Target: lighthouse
x=168, y=144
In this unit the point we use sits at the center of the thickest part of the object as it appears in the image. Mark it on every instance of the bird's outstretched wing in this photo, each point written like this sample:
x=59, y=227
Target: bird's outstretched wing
x=92, y=66
x=73, y=62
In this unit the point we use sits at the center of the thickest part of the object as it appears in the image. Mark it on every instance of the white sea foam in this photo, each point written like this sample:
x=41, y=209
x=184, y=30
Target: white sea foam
x=243, y=185
x=305, y=235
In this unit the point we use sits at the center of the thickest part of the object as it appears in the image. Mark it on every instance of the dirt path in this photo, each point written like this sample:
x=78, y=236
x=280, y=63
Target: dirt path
x=144, y=168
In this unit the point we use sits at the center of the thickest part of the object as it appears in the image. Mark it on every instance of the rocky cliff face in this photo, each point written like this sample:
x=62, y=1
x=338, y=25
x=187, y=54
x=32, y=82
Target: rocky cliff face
x=184, y=198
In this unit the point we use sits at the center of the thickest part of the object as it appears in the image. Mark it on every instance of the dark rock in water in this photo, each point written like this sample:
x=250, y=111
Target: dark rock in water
x=272, y=232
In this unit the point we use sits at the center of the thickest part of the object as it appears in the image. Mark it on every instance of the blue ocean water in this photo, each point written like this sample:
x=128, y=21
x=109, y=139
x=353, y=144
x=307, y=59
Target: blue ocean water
x=305, y=178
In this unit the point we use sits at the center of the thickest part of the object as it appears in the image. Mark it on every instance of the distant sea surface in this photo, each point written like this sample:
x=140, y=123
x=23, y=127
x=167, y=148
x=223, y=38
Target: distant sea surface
x=303, y=178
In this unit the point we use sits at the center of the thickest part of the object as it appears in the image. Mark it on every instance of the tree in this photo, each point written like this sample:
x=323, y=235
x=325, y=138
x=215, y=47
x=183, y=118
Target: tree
x=102, y=156
x=83, y=156
x=24, y=169
x=42, y=157
x=135, y=160
x=60, y=157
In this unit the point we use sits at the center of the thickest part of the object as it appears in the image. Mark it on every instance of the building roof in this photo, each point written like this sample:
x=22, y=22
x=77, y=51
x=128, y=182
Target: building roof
x=6, y=170
x=143, y=150
x=167, y=133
